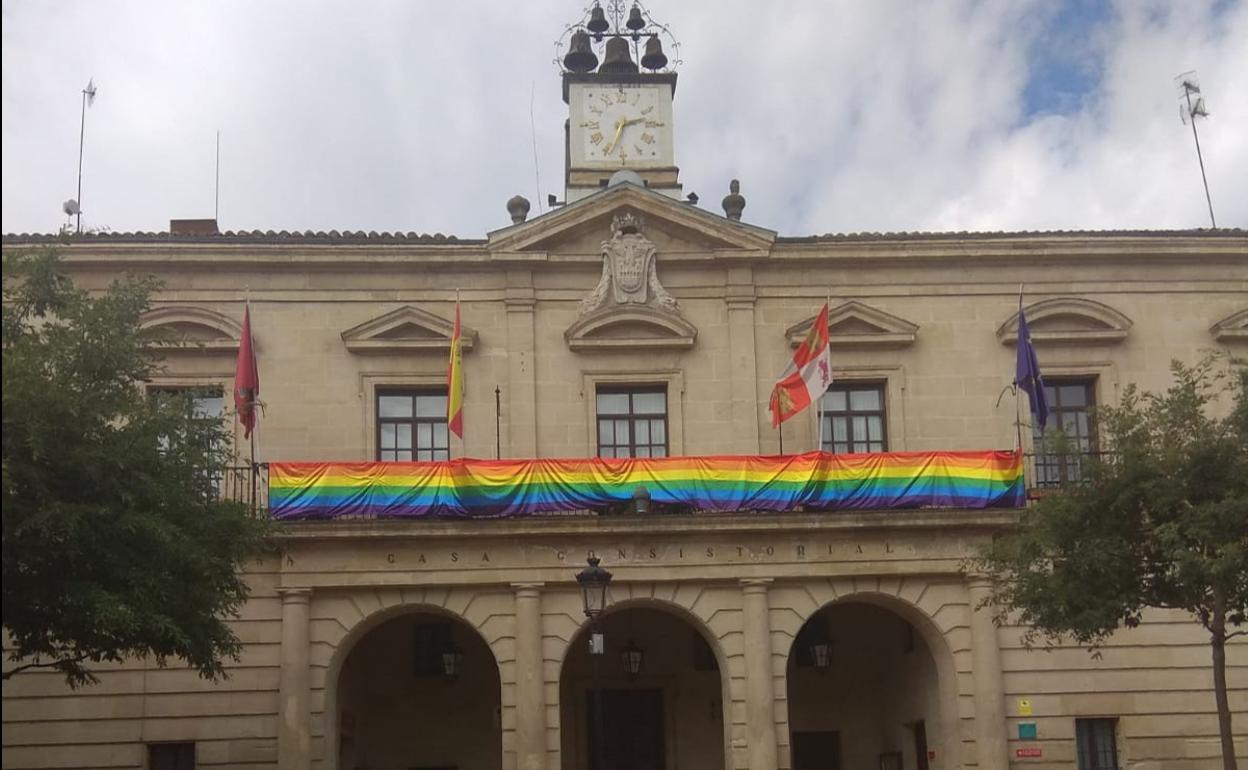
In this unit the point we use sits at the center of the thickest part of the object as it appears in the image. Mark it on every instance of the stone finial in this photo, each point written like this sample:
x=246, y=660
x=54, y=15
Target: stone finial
x=518, y=207
x=734, y=201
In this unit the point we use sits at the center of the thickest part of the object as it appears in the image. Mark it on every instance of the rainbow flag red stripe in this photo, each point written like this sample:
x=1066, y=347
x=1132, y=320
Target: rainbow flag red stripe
x=505, y=488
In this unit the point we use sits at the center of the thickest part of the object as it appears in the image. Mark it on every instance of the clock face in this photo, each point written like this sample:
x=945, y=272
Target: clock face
x=622, y=126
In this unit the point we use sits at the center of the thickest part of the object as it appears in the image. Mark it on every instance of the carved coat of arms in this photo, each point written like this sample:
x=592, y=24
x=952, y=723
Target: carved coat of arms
x=629, y=274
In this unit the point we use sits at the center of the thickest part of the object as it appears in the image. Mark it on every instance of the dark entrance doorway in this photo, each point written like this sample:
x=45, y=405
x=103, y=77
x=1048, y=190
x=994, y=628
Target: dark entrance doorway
x=817, y=750
x=633, y=725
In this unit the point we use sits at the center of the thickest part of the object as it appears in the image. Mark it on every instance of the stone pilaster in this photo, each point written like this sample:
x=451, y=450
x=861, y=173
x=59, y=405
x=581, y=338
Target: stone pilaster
x=743, y=373
x=521, y=415
x=294, y=739
x=530, y=679
x=990, y=734
x=760, y=701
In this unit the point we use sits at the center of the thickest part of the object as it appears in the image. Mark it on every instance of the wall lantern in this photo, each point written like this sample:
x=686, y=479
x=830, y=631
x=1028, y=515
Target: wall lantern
x=593, y=581
x=641, y=501
x=821, y=655
x=452, y=662
x=632, y=656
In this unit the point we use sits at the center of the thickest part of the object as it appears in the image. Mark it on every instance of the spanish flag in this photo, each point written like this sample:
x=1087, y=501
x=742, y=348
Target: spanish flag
x=455, y=380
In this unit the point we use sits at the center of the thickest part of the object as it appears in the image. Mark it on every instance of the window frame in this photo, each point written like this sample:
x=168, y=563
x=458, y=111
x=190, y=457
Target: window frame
x=828, y=444
x=413, y=392
x=633, y=418
x=1085, y=739
x=592, y=379
x=1051, y=468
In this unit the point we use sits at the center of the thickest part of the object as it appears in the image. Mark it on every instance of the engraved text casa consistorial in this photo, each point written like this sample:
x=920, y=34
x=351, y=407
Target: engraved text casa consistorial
x=629, y=273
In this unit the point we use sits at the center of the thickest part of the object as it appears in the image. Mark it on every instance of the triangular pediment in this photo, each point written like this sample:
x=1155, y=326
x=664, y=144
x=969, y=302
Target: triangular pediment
x=855, y=324
x=1068, y=321
x=680, y=230
x=185, y=329
x=406, y=329
x=1233, y=328
x=630, y=327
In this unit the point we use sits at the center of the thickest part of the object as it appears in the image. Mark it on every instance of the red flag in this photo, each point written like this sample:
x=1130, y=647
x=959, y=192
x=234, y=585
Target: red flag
x=246, y=378
x=807, y=376
x=455, y=380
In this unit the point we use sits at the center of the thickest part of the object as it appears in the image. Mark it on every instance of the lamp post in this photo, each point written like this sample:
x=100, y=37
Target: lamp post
x=594, y=581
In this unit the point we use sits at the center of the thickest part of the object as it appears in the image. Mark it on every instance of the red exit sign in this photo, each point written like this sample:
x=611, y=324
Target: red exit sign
x=1022, y=753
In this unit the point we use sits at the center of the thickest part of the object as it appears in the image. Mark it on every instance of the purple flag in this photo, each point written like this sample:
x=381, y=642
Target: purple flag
x=1027, y=373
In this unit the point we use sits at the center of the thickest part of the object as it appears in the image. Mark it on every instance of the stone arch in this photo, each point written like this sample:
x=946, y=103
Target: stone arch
x=1068, y=321
x=193, y=329
x=369, y=610
x=630, y=327
x=937, y=609
x=681, y=601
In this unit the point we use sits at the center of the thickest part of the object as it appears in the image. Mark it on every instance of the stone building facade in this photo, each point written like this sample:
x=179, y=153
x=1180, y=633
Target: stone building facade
x=345, y=634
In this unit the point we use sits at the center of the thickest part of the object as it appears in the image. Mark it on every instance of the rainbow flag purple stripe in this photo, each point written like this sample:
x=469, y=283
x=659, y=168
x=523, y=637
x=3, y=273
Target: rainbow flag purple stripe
x=511, y=488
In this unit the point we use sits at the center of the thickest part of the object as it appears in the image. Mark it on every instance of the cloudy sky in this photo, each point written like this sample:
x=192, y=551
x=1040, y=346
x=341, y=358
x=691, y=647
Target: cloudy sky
x=418, y=116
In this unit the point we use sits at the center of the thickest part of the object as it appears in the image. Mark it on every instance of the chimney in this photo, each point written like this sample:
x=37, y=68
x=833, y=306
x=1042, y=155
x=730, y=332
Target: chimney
x=193, y=227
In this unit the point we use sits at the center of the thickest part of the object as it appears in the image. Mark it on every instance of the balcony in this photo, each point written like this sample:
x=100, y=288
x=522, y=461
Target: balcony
x=1046, y=472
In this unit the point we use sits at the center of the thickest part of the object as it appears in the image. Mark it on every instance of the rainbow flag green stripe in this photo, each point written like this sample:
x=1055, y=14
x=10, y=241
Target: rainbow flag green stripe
x=504, y=488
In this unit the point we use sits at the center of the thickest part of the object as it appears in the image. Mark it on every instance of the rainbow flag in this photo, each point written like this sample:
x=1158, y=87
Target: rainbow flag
x=468, y=488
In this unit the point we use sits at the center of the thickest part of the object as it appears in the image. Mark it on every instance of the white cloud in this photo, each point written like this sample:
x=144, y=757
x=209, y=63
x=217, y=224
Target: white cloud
x=396, y=116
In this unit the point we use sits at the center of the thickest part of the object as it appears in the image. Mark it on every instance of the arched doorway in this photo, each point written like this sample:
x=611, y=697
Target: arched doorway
x=665, y=714
x=421, y=690
x=864, y=690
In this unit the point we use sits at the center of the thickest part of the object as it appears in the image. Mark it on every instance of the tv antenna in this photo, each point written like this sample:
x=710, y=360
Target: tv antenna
x=1193, y=107
x=88, y=98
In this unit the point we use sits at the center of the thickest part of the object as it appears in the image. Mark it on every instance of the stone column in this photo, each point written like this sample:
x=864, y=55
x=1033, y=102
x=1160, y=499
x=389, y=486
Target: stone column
x=530, y=679
x=990, y=734
x=521, y=417
x=294, y=740
x=760, y=701
x=743, y=373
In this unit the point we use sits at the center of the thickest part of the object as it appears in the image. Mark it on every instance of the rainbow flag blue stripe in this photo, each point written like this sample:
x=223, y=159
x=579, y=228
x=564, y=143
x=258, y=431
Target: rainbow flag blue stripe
x=510, y=488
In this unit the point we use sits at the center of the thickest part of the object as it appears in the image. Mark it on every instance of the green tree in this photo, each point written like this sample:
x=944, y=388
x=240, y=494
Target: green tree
x=115, y=542
x=1162, y=521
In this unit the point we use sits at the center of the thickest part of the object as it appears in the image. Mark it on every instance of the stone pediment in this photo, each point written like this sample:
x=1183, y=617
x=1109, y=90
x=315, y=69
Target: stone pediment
x=1069, y=321
x=854, y=324
x=406, y=329
x=192, y=330
x=1233, y=328
x=678, y=229
x=630, y=327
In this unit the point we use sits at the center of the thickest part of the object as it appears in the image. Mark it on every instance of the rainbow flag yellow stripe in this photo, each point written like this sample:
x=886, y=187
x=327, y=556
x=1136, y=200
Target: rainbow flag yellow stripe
x=503, y=488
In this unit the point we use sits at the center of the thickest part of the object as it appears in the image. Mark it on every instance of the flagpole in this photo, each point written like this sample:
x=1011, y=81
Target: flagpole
x=1018, y=413
x=255, y=471
x=498, y=419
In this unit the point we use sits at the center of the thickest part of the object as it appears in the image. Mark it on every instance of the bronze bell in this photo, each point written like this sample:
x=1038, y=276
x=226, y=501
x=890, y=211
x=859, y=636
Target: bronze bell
x=581, y=57
x=635, y=22
x=597, y=20
x=617, y=60
x=653, y=58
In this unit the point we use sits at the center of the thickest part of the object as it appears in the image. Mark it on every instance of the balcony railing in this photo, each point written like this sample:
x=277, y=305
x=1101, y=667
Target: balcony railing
x=247, y=484
x=1046, y=472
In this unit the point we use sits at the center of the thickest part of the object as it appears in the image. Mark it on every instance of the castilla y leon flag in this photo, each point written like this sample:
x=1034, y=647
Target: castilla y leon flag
x=807, y=376
x=455, y=380
x=246, y=378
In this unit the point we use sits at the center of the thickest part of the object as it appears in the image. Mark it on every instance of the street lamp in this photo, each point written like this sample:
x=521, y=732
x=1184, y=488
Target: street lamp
x=452, y=662
x=594, y=581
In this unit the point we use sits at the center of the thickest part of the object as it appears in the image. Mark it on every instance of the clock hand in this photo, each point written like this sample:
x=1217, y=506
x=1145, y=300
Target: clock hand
x=619, y=128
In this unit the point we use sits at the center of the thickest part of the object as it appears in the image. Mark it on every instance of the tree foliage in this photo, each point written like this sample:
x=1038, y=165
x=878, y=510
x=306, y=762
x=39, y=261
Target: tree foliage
x=1161, y=520
x=115, y=541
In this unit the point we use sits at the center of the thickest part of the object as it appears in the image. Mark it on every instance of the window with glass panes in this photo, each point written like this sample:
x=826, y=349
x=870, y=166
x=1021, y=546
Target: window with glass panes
x=411, y=425
x=1070, y=412
x=1096, y=746
x=854, y=419
x=207, y=403
x=632, y=422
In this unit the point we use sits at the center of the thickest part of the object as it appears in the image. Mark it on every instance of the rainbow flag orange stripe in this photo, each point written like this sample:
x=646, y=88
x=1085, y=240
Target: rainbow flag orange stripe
x=504, y=488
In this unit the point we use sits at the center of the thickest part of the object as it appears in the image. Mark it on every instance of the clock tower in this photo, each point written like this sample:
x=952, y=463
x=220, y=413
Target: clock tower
x=619, y=111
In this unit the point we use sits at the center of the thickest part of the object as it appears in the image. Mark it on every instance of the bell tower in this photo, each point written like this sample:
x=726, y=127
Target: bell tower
x=619, y=110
